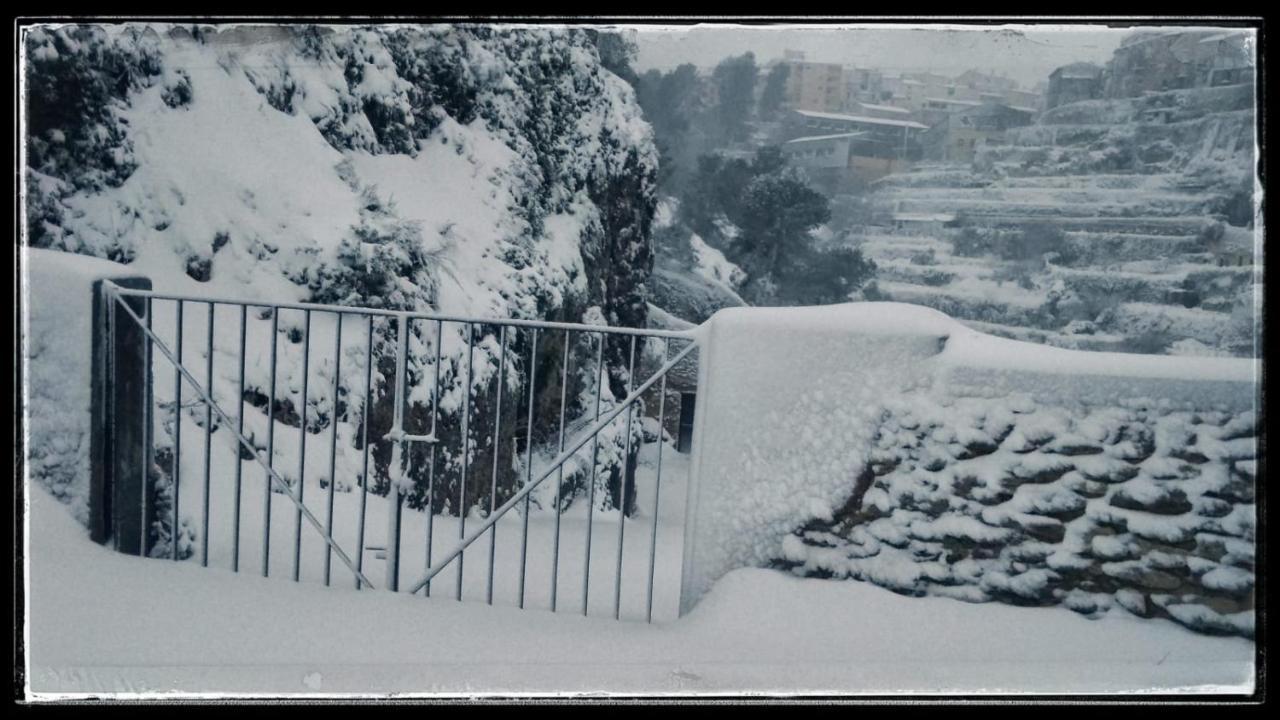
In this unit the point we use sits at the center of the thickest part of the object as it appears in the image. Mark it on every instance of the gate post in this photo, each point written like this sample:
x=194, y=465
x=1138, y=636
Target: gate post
x=120, y=380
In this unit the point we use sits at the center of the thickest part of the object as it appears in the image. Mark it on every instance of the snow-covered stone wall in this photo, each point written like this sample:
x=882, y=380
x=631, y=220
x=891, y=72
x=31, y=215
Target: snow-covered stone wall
x=57, y=324
x=888, y=443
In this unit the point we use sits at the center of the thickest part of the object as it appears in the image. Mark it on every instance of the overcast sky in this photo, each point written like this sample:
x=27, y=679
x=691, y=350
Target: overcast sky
x=1027, y=53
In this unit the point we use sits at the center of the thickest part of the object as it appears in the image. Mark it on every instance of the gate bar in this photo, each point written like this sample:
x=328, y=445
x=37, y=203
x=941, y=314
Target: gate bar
x=466, y=451
x=555, y=548
x=528, y=442
x=148, y=435
x=622, y=488
x=397, y=468
x=657, y=484
x=302, y=447
x=353, y=310
x=591, y=488
x=559, y=461
x=431, y=467
x=271, y=447
x=235, y=518
x=183, y=372
x=176, y=472
x=497, y=453
x=208, y=440
x=364, y=440
x=333, y=441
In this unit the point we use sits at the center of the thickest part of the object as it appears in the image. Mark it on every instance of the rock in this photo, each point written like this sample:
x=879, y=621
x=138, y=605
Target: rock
x=976, y=447
x=1243, y=425
x=1233, y=491
x=1083, y=487
x=1226, y=605
x=1136, y=573
x=933, y=463
x=1211, y=507
x=925, y=551
x=1133, y=601
x=1060, y=505
x=1036, y=587
x=1172, y=562
x=970, y=488
x=1205, y=620
x=1169, y=469
x=1246, y=469
x=1228, y=580
x=1073, y=446
x=882, y=468
x=1039, y=528
x=1038, y=472
x=1090, y=604
x=1191, y=455
x=1106, y=470
x=1114, y=547
x=1162, y=501
x=1178, y=537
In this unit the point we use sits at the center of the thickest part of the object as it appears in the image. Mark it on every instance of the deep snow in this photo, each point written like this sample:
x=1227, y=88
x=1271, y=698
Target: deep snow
x=101, y=622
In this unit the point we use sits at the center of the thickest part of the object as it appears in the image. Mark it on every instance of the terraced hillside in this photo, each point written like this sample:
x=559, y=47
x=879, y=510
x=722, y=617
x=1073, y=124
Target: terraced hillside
x=1110, y=224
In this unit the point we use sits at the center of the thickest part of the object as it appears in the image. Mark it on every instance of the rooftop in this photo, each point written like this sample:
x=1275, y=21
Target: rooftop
x=924, y=217
x=817, y=138
x=1078, y=70
x=863, y=119
x=885, y=108
x=953, y=101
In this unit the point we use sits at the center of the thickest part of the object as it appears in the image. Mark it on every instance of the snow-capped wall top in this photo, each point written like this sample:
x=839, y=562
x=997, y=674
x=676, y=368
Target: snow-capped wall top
x=964, y=347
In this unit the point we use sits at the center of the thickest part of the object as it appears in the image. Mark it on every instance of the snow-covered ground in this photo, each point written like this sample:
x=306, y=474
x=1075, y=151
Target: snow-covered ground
x=103, y=622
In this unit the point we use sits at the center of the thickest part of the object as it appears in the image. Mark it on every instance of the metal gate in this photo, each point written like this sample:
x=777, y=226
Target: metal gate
x=454, y=426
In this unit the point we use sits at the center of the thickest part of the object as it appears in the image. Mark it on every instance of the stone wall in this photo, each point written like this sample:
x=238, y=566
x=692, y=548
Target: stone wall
x=887, y=443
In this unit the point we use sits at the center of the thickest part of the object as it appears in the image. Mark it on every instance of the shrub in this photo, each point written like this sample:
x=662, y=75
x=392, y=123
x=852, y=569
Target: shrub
x=1034, y=242
x=177, y=93
x=968, y=243
x=924, y=257
x=821, y=277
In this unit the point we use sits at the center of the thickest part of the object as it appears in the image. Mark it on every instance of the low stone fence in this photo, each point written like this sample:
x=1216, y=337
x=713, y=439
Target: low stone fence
x=887, y=443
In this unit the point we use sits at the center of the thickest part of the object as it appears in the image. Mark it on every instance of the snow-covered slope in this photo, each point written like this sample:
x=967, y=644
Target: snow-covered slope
x=268, y=191
x=466, y=169
x=1148, y=200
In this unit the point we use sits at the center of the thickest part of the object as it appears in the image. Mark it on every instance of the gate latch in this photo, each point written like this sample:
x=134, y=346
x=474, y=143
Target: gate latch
x=398, y=435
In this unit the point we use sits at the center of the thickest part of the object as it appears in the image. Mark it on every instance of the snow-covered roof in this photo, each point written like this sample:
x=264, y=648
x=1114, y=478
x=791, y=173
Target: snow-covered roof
x=1023, y=108
x=885, y=108
x=817, y=138
x=924, y=217
x=862, y=119
x=1079, y=71
x=952, y=101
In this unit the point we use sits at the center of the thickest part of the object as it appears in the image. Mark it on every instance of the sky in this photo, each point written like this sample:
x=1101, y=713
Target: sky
x=1027, y=53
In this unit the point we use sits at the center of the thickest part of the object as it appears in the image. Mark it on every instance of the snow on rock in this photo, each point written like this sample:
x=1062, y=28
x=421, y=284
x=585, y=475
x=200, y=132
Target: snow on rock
x=902, y=448
x=711, y=264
